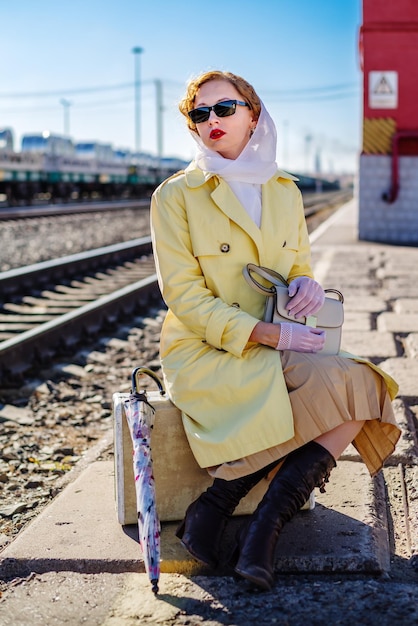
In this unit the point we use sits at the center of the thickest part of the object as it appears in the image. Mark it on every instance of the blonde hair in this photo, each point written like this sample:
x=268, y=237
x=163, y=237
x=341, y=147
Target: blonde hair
x=244, y=88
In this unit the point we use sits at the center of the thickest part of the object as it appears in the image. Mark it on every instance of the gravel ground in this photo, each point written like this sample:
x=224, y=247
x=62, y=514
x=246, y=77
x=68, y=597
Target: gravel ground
x=54, y=599
x=48, y=425
x=23, y=242
x=293, y=601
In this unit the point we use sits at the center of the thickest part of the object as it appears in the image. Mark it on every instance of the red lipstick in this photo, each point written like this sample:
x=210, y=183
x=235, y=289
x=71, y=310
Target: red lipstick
x=216, y=133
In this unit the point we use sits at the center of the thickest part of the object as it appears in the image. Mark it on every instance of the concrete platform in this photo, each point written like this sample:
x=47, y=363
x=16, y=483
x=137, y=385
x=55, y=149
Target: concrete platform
x=346, y=532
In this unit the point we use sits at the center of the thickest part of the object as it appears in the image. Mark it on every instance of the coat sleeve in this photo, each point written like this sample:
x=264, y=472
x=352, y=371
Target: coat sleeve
x=182, y=282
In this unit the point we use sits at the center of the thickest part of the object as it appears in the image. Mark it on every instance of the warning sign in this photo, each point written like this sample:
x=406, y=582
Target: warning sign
x=383, y=90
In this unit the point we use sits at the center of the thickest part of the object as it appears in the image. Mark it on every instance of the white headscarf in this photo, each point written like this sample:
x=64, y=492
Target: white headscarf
x=254, y=166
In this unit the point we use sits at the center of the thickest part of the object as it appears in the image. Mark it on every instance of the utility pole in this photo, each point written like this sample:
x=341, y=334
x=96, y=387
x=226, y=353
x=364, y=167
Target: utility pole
x=66, y=104
x=159, y=115
x=137, y=52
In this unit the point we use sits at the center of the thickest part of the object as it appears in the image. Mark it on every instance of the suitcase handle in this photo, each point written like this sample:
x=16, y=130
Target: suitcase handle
x=139, y=371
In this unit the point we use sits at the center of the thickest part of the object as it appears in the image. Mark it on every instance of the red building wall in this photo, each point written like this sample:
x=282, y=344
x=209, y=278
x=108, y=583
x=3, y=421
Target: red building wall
x=389, y=43
x=390, y=12
x=388, y=172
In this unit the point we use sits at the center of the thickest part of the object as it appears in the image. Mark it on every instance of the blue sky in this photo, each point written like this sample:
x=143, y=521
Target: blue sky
x=301, y=58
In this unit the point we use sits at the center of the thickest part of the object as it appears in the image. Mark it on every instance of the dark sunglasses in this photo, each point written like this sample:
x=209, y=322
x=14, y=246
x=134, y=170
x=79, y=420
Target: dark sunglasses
x=221, y=109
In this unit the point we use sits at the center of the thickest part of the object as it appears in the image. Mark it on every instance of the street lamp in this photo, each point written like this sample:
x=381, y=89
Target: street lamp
x=160, y=110
x=137, y=51
x=66, y=104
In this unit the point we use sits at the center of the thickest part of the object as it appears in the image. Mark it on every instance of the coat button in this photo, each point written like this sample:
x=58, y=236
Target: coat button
x=224, y=247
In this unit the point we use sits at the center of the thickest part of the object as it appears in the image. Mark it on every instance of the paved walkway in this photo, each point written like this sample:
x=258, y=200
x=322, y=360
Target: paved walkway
x=353, y=559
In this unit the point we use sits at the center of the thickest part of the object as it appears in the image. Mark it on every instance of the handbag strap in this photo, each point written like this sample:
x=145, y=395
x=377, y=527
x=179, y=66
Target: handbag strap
x=273, y=277
x=139, y=371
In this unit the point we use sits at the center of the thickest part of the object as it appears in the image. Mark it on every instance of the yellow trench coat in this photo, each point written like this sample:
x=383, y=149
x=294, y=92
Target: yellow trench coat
x=232, y=393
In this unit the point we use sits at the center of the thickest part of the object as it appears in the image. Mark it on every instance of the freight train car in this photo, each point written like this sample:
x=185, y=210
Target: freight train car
x=53, y=168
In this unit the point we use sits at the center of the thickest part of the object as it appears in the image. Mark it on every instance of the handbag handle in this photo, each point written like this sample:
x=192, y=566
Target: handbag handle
x=273, y=277
x=338, y=293
x=264, y=272
x=139, y=371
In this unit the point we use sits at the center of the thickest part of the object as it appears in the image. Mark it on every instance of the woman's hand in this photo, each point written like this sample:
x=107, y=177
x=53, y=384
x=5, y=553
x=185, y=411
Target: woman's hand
x=300, y=338
x=288, y=336
x=306, y=297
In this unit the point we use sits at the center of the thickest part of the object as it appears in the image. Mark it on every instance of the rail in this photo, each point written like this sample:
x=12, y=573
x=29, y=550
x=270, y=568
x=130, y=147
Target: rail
x=36, y=328
x=23, y=212
x=313, y=201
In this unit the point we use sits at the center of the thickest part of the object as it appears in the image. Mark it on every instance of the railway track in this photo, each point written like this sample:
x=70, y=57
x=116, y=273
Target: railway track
x=49, y=308
x=28, y=212
x=316, y=202
x=70, y=300
x=312, y=200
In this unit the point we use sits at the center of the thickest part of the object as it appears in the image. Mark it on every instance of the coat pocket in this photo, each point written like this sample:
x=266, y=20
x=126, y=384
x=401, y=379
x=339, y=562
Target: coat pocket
x=213, y=242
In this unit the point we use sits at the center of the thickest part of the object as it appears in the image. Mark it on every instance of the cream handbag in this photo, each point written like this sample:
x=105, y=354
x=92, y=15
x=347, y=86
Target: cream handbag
x=330, y=317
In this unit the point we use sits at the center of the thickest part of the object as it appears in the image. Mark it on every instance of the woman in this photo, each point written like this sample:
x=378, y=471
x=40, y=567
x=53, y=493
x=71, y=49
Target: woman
x=245, y=386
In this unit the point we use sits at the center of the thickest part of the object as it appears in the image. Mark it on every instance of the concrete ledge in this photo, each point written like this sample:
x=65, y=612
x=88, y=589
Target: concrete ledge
x=397, y=322
x=369, y=343
x=405, y=372
x=78, y=531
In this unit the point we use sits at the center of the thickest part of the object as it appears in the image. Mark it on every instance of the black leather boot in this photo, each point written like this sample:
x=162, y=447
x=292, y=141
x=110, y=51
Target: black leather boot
x=302, y=470
x=203, y=526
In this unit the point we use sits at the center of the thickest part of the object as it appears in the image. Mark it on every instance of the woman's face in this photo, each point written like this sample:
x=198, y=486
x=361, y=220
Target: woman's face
x=226, y=135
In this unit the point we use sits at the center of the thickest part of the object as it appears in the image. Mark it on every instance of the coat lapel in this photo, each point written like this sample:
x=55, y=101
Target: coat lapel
x=228, y=203
x=226, y=200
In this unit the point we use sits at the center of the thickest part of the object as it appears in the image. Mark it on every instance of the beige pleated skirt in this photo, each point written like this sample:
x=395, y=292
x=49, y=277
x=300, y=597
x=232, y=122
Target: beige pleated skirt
x=324, y=393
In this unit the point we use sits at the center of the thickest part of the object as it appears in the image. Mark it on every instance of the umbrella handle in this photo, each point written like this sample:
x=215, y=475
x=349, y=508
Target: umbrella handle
x=144, y=370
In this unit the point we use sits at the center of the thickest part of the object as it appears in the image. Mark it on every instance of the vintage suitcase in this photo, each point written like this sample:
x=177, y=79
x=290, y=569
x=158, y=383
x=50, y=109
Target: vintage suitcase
x=178, y=478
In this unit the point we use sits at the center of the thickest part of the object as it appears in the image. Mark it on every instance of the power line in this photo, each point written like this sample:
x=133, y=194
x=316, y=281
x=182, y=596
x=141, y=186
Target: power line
x=79, y=105
x=314, y=98
x=130, y=85
x=67, y=92
x=313, y=90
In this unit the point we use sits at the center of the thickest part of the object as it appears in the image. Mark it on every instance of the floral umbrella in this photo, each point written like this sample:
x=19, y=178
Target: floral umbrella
x=140, y=416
